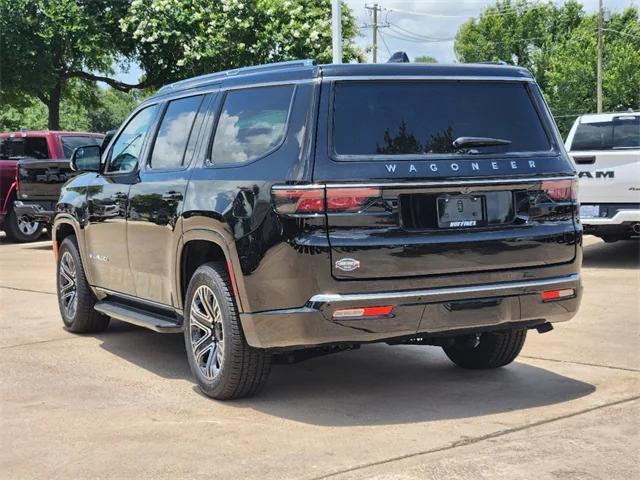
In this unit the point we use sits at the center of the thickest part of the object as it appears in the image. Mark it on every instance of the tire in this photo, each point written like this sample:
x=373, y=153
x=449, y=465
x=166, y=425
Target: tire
x=224, y=365
x=20, y=230
x=75, y=298
x=496, y=349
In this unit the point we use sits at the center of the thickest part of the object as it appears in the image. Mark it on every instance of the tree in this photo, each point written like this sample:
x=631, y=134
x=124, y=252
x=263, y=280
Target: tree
x=425, y=59
x=193, y=37
x=558, y=45
x=84, y=107
x=48, y=43
x=60, y=41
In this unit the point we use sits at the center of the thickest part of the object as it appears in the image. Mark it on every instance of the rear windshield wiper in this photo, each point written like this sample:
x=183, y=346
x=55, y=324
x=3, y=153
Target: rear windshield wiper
x=462, y=142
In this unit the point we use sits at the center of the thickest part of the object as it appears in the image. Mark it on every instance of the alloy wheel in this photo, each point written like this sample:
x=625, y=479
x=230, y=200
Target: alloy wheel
x=26, y=226
x=207, y=332
x=68, y=287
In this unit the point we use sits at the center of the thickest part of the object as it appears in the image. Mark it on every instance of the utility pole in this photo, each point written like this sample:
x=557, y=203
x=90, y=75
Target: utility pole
x=336, y=29
x=600, y=52
x=374, y=10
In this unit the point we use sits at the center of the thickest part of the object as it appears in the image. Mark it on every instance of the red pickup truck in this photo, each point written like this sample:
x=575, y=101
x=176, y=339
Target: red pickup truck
x=53, y=146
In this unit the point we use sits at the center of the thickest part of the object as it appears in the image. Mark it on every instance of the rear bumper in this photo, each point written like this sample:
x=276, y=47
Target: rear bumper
x=34, y=211
x=620, y=217
x=424, y=312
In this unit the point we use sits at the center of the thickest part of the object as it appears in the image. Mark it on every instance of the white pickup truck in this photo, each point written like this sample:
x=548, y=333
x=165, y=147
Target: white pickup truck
x=606, y=150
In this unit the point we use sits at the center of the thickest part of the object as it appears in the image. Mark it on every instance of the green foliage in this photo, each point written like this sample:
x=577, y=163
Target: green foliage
x=98, y=111
x=558, y=44
x=425, y=59
x=46, y=45
x=191, y=37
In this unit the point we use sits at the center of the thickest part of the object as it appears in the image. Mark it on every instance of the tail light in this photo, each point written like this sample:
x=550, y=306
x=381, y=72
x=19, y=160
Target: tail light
x=343, y=200
x=312, y=200
x=561, y=190
x=298, y=200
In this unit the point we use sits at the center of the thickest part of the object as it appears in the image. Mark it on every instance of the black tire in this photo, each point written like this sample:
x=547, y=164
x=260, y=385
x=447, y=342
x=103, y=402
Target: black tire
x=496, y=349
x=13, y=231
x=240, y=370
x=83, y=318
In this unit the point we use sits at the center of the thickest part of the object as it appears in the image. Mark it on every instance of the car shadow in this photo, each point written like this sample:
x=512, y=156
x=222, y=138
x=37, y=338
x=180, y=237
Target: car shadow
x=376, y=385
x=620, y=254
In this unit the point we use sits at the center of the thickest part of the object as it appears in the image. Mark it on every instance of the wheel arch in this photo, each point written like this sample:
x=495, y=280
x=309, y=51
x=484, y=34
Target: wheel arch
x=65, y=226
x=199, y=246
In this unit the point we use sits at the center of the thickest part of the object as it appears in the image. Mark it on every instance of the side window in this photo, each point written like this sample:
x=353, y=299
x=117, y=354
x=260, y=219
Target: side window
x=174, y=132
x=252, y=123
x=69, y=144
x=127, y=148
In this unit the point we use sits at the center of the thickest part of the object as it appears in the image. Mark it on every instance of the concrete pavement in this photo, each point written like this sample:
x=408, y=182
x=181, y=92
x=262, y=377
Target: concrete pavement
x=121, y=404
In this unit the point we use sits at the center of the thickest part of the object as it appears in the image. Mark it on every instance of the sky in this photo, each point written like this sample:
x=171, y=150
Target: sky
x=418, y=27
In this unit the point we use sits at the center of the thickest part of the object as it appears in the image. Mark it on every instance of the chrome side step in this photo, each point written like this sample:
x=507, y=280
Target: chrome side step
x=151, y=320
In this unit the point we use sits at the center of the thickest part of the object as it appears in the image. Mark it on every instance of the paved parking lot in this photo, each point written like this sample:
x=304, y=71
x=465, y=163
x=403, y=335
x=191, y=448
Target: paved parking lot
x=121, y=404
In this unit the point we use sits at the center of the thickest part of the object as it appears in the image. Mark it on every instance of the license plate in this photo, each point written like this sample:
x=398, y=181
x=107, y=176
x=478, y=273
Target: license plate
x=589, y=211
x=461, y=211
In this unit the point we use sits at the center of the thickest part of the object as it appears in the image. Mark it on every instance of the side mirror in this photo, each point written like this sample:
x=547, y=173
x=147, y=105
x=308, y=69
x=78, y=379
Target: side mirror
x=86, y=159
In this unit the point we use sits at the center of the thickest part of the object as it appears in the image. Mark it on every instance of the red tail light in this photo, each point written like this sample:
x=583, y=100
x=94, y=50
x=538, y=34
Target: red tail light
x=350, y=199
x=298, y=200
x=561, y=190
x=311, y=200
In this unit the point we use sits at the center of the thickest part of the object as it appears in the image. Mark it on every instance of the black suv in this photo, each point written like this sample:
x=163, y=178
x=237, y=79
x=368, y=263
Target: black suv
x=306, y=208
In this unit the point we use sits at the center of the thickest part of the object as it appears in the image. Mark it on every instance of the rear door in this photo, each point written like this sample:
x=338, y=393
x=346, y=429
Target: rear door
x=408, y=193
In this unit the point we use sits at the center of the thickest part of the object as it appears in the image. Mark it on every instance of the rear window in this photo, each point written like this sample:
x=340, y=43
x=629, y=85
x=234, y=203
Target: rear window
x=421, y=118
x=617, y=134
x=70, y=143
x=29, y=147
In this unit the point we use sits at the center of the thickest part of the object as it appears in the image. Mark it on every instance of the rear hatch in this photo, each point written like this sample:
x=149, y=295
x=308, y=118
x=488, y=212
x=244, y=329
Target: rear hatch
x=440, y=176
x=606, y=151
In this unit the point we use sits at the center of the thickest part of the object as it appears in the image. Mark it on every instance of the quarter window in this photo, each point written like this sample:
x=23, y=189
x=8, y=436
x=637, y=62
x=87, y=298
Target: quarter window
x=174, y=133
x=127, y=148
x=253, y=122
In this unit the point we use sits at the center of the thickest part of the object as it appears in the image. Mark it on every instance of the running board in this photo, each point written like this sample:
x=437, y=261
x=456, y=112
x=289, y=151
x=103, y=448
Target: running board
x=153, y=321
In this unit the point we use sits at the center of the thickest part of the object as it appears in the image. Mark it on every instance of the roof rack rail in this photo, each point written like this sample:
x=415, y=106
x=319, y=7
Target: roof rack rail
x=492, y=62
x=209, y=77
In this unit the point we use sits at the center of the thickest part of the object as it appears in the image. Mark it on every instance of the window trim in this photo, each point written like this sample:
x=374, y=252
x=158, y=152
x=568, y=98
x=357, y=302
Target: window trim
x=143, y=152
x=209, y=161
x=156, y=130
x=553, y=150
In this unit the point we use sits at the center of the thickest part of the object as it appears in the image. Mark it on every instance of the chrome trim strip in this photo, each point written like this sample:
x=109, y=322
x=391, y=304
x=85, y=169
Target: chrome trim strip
x=429, y=183
x=310, y=186
x=451, y=183
x=134, y=298
x=489, y=288
x=428, y=78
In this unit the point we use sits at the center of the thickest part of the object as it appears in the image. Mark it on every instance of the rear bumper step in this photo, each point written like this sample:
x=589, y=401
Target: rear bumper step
x=153, y=321
x=435, y=311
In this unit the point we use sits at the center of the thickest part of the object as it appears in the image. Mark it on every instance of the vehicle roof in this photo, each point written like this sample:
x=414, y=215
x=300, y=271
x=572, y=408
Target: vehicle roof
x=605, y=117
x=307, y=69
x=46, y=133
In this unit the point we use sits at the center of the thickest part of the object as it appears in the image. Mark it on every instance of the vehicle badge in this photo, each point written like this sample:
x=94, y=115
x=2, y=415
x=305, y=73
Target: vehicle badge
x=347, y=264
